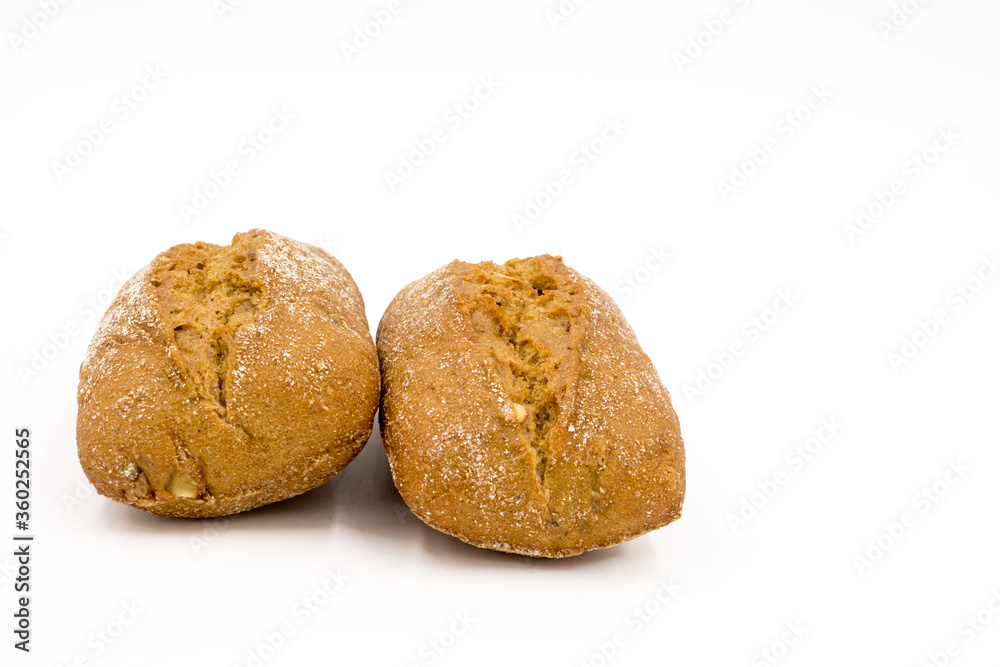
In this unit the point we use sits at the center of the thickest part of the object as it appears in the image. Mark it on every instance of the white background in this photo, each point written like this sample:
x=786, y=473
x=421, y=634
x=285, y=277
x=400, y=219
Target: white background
x=212, y=593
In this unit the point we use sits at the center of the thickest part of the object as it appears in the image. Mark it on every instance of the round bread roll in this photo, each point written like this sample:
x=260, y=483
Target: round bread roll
x=520, y=414
x=225, y=378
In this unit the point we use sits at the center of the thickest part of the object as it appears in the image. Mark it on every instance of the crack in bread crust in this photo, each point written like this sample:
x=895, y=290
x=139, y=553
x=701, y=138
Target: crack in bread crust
x=527, y=314
x=205, y=294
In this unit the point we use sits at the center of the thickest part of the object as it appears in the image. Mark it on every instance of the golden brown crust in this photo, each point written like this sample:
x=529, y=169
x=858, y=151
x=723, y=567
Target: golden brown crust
x=519, y=412
x=225, y=378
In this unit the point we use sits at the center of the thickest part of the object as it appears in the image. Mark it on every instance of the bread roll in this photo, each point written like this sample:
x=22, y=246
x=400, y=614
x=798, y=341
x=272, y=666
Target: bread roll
x=520, y=414
x=225, y=378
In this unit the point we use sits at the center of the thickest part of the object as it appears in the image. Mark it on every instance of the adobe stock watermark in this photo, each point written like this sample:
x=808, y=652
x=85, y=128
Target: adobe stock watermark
x=328, y=242
x=785, y=128
x=366, y=33
x=699, y=42
x=956, y=300
x=31, y=25
x=402, y=512
x=7, y=570
x=562, y=12
x=633, y=623
x=249, y=149
x=581, y=159
x=102, y=639
x=432, y=650
x=304, y=609
x=82, y=492
x=779, y=649
x=87, y=311
x=121, y=108
x=913, y=169
x=899, y=16
x=453, y=119
x=795, y=461
x=751, y=332
x=966, y=631
x=224, y=8
x=210, y=531
x=921, y=504
x=633, y=281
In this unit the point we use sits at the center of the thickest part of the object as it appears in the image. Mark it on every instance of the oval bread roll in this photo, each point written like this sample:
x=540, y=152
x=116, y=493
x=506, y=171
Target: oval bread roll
x=519, y=412
x=225, y=378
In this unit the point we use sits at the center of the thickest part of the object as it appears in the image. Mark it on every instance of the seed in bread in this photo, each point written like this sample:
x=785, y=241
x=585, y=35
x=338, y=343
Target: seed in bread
x=519, y=412
x=225, y=378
